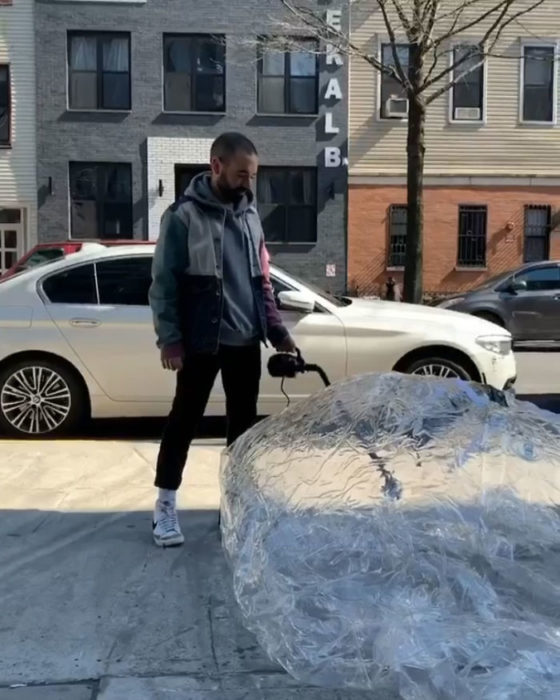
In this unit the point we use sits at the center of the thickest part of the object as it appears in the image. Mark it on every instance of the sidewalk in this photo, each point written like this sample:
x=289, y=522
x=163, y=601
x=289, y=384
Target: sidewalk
x=90, y=609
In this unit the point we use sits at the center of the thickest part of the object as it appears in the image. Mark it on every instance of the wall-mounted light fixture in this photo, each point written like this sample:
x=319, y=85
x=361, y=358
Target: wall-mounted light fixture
x=160, y=188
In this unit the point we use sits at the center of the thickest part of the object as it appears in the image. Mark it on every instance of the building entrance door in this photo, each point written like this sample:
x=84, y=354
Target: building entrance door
x=11, y=237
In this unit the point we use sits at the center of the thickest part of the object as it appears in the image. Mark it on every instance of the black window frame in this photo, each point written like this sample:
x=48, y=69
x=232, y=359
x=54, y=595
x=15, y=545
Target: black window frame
x=191, y=171
x=396, y=257
x=553, y=87
x=219, y=40
x=287, y=77
x=7, y=142
x=100, y=37
x=469, y=241
x=528, y=237
x=102, y=202
x=479, y=73
x=122, y=260
x=287, y=205
x=399, y=91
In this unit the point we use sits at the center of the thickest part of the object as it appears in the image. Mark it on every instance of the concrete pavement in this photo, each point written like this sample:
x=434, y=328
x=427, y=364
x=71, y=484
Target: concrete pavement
x=91, y=609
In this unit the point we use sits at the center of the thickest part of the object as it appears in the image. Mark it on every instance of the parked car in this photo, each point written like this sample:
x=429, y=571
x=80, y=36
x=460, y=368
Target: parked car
x=47, y=252
x=76, y=340
x=525, y=301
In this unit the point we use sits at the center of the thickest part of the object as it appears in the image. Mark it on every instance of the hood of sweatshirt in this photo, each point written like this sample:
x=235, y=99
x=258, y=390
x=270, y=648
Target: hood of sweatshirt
x=200, y=190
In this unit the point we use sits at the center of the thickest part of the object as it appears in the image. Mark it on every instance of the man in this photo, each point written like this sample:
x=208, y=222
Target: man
x=213, y=305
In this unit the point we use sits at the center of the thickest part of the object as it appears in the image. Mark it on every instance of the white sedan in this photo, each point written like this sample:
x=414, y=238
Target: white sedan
x=77, y=341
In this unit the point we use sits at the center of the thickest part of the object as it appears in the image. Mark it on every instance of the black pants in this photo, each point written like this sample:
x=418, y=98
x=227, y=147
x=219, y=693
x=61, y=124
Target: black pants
x=241, y=374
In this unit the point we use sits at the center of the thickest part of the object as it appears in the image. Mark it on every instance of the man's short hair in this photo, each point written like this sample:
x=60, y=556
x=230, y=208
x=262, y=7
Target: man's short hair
x=230, y=143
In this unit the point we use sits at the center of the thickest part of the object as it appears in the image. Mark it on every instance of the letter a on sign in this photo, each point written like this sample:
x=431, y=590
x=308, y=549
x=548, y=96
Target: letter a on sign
x=333, y=90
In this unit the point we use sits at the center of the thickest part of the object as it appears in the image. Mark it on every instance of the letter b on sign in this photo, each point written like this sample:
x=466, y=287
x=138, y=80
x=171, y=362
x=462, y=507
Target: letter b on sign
x=333, y=157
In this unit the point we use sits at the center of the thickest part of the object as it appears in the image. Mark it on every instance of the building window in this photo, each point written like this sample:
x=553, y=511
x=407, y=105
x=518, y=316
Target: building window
x=394, y=102
x=397, y=234
x=472, y=236
x=5, y=106
x=288, y=80
x=194, y=67
x=468, y=92
x=539, y=84
x=537, y=233
x=287, y=199
x=183, y=176
x=101, y=196
x=99, y=71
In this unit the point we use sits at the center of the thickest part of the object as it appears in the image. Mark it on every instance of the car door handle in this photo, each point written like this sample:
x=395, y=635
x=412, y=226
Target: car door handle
x=84, y=323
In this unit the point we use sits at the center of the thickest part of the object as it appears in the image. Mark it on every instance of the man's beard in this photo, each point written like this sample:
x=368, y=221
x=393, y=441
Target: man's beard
x=231, y=194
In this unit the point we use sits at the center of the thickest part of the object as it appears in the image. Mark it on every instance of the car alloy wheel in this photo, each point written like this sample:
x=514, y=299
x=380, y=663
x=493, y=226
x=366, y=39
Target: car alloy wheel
x=434, y=369
x=35, y=400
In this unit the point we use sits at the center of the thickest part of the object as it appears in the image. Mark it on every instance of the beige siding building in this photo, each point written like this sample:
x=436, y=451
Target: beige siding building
x=492, y=157
x=18, y=182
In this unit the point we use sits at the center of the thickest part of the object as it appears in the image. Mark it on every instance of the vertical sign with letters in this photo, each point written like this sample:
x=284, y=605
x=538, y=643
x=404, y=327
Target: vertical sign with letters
x=333, y=94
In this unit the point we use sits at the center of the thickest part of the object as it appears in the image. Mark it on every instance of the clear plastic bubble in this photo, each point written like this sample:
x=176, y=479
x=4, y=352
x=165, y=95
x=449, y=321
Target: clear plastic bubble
x=397, y=533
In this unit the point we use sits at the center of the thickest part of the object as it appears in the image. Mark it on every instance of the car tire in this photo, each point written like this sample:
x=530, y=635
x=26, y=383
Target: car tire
x=488, y=316
x=40, y=397
x=441, y=367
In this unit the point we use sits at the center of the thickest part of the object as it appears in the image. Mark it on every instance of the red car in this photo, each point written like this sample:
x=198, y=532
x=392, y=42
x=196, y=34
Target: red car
x=45, y=252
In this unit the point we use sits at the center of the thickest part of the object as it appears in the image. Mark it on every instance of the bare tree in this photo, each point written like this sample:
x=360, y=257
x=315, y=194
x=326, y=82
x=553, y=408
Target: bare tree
x=431, y=29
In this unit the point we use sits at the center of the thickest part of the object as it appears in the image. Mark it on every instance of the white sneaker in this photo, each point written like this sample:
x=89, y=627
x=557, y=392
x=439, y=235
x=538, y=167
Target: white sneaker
x=166, y=528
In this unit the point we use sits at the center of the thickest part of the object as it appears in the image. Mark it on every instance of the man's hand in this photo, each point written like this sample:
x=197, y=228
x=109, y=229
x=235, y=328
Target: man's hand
x=287, y=345
x=175, y=364
x=172, y=357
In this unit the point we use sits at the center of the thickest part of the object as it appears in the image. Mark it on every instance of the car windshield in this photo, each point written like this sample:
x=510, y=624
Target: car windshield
x=493, y=281
x=327, y=296
x=41, y=256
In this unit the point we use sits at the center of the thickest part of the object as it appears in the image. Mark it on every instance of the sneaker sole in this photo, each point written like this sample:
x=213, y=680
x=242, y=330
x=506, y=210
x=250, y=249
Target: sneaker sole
x=176, y=542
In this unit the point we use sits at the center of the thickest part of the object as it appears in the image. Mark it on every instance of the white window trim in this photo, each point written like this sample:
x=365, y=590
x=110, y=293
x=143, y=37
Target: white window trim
x=468, y=122
x=381, y=40
x=541, y=43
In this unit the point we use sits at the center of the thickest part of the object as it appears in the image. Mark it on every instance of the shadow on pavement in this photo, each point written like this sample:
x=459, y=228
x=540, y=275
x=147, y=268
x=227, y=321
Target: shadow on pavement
x=86, y=595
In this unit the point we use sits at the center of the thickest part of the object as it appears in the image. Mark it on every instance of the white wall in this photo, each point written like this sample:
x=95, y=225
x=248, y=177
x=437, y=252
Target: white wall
x=163, y=154
x=18, y=180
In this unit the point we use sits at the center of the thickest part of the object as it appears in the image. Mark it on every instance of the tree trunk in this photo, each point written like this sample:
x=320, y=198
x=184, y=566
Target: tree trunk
x=413, y=286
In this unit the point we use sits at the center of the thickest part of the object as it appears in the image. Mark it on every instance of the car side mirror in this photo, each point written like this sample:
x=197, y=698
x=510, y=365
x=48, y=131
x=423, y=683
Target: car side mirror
x=296, y=301
x=517, y=286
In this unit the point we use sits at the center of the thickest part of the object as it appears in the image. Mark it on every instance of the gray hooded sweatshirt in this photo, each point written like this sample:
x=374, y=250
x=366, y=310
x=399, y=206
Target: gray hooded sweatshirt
x=240, y=321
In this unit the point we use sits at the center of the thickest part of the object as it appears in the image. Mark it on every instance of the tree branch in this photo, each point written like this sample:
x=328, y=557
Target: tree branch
x=498, y=27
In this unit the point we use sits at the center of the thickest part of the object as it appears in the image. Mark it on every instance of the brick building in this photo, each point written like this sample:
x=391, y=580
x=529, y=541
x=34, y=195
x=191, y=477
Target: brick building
x=131, y=94
x=492, y=171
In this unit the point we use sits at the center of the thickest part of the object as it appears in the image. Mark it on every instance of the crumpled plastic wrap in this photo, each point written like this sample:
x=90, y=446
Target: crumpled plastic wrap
x=397, y=533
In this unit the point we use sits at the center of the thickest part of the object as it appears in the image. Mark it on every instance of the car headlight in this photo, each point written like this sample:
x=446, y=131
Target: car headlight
x=499, y=344
x=449, y=303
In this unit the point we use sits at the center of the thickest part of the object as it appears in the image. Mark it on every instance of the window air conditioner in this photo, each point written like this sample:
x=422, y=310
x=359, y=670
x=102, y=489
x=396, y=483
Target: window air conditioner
x=467, y=114
x=396, y=107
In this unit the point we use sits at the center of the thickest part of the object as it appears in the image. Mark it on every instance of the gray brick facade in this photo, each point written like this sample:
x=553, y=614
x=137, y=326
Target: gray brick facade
x=65, y=136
